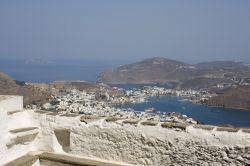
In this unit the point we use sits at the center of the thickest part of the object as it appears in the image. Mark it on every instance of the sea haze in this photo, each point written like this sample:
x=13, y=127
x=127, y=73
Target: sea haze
x=49, y=70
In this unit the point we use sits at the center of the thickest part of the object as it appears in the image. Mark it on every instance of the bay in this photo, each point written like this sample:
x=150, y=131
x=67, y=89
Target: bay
x=202, y=113
x=90, y=71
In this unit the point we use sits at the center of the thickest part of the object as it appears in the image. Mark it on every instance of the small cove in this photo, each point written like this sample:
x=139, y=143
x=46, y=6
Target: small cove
x=205, y=114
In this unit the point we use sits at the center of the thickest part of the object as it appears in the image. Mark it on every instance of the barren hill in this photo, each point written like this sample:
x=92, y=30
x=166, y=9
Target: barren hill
x=9, y=86
x=238, y=97
x=147, y=71
x=162, y=70
x=35, y=93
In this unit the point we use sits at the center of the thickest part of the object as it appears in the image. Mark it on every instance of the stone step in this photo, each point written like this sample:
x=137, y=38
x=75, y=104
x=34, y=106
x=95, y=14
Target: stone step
x=25, y=160
x=22, y=139
x=50, y=158
x=14, y=112
x=24, y=129
x=58, y=159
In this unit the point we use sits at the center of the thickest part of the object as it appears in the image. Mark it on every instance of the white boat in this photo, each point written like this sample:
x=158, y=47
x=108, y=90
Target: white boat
x=150, y=110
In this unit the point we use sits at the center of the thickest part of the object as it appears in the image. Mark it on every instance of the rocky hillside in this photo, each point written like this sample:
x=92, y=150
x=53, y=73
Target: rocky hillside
x=35, y=93
x=32, y=94
x=162, y=70
x=238, y=97
x=147, y=71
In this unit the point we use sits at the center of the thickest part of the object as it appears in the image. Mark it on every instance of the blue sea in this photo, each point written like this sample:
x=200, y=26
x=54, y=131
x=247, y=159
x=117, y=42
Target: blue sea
x=90, y=71
x=59, y=70
x=202, y=113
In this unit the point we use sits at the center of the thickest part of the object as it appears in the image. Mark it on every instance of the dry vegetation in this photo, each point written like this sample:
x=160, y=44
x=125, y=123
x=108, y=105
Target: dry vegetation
x=88, y=118
x=149, y=123
x=41, y=112
x=69, y=115
x=228, y=129
x=204, y=127
x=181, y=126
x=131, y=121
x=246, y=130
x=112, y=119
x=53, y=113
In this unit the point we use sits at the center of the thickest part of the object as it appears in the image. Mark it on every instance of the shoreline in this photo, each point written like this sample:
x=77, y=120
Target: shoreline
x=237, y=108
x=195, y=102
x=104, y=103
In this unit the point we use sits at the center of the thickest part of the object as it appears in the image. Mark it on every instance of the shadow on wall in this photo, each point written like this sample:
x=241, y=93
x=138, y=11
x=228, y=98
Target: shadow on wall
x=63, y=137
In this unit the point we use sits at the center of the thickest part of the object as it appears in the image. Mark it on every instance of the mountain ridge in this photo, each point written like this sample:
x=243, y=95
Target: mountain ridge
x=163, y=70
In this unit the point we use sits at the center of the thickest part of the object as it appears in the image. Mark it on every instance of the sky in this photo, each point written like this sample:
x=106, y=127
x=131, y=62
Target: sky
x=125, y=30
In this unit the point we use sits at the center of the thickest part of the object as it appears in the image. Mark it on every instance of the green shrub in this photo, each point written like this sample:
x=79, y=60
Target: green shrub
x=131, y=121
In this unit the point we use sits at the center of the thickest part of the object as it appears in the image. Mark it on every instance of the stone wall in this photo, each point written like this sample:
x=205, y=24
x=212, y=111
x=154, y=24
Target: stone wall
x=152, y=145
x=123, y=141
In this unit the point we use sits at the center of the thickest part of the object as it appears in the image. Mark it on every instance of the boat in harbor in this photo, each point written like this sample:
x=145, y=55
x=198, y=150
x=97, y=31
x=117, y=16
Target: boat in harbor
x=150, y=110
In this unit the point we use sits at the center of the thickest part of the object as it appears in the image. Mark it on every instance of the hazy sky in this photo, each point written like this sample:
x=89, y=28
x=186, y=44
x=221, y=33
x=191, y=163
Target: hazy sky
x=186, y=30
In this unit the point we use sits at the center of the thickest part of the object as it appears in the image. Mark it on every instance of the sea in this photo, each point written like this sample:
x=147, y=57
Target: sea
x=48, y=71
x=202, y=113
x=90, y=71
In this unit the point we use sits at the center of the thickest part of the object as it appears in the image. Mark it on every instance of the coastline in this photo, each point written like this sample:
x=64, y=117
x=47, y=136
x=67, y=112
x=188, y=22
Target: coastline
x=235, y=108
x=164, y=85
